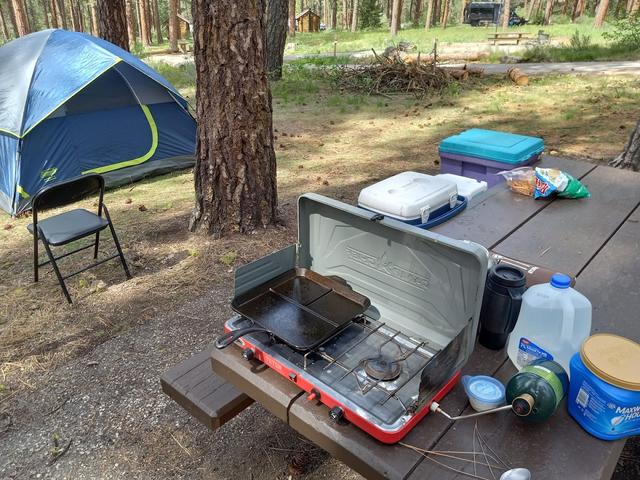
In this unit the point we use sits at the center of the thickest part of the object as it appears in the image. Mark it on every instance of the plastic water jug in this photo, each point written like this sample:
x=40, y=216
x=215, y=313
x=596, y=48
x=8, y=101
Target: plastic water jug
x=554, y=320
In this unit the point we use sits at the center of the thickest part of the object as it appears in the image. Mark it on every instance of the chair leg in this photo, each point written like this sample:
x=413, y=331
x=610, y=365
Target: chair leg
x=95, y=250
x=35, y=257
x=115, y=240
x=56, y=270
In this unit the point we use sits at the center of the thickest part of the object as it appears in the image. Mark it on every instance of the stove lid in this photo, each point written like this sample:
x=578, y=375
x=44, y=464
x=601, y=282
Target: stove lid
x=427, y=285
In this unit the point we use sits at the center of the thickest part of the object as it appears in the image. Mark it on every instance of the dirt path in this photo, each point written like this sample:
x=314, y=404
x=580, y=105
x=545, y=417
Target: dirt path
x=108, y=404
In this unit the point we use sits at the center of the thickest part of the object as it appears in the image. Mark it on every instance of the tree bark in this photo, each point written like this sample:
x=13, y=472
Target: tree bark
x=54, y=14
x=506, y=13
x=92, y=14
x=417, y=12
x=578, y=9
x=601, y=14
x=428, y=23
x=396, y=12
x=80, y=14
x=463, y=7
x=156, y=19
x=445, y=13
x=548, y=10
x=235, y=171
x=334, y=14
x=173, y=25
x=354, y=16
x=292, y=18
x=276, y=23
x=45, y=13
x=3, y=26
x=112, y=22
x=630, y=157
x=143, y=15
x=131, y=23
x=20, y=14
x=74, y=17
x=61, y=14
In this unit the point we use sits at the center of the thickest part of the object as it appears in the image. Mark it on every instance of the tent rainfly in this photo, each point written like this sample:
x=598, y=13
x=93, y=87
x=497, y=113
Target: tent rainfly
x=72, y=104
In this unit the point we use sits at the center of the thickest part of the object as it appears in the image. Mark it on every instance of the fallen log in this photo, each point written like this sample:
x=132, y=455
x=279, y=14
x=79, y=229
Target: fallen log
x=474, y=71
x=458, y=73
x=518, y=77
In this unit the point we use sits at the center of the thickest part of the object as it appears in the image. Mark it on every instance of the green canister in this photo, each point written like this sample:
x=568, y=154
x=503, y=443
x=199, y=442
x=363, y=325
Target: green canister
x=536, y=391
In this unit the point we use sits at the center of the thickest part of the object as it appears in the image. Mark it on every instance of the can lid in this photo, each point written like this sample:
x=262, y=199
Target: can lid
x=613, y=358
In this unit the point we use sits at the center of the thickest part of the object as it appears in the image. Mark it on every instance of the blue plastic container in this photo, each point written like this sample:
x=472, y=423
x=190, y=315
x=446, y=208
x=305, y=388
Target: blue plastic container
x=604, y=392
x=484, y=392
x=481, y=154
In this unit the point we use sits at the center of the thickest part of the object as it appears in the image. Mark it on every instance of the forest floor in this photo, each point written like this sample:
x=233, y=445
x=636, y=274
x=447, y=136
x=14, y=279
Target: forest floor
x=89, y=373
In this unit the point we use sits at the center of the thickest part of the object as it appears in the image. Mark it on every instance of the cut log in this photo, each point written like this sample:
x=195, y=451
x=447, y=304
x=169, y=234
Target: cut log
x=518, y=77
x=442, y=57
x=474, y=71
x=458, y=73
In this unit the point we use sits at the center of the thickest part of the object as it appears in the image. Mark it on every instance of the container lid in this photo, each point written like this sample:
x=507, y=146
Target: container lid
x=507, y=276
x=484, y=389
x=425, y=284
x=560, y=280
x=467, y=187
x=405, y=195
x=614, y=359
x=492, y=145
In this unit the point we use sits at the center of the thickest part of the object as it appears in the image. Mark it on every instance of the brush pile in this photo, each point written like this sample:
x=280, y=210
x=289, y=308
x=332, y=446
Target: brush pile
x=391, y=74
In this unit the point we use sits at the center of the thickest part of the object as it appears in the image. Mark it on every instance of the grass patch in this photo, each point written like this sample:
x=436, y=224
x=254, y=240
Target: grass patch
x=585, y=54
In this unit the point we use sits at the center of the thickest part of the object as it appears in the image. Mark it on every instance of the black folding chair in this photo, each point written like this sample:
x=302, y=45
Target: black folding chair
x=70, y=226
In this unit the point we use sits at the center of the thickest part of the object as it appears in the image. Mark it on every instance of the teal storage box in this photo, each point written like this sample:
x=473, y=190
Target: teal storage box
x=481, y=154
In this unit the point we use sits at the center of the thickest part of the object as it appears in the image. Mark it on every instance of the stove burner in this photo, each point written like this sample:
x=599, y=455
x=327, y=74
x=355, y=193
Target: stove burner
x=382, y=368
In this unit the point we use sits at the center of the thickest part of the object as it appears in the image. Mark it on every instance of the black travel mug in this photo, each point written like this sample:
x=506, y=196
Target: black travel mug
x=500, y=305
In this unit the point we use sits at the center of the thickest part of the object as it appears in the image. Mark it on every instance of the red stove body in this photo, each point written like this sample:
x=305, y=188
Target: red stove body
x=382, y=369
x=369, y=375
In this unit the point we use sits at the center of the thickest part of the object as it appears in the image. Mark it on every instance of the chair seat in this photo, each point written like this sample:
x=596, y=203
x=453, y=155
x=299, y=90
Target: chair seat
x=69, y=226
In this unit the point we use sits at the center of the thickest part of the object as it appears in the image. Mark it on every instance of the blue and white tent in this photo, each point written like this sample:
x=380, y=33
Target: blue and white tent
x=71, y=104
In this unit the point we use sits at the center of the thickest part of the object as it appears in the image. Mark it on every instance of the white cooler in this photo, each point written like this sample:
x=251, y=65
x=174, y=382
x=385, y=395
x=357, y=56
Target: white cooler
x=413, y=198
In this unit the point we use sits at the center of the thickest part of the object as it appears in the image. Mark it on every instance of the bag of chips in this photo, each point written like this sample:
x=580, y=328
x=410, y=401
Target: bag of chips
x=551, y=180
x=520, y=180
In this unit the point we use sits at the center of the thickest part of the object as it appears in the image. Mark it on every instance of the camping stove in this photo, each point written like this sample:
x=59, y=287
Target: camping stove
x=369, y=374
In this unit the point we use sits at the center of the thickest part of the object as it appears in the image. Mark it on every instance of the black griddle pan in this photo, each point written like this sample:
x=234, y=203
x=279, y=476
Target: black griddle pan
x=300, y=307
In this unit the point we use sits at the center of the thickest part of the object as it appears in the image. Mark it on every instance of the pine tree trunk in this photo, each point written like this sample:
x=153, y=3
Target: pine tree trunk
x=463, y=7
x=445, y=13
x=112, y=22
x=45, y=13
x=173, y=25
x=292, y=18
x=548, y=10
x=506, y=10
x=143, y=15
x=428, y=23
x=81, y=20
x=20, y=14
x=3, y=26
x=131, y=22
x=235, y=172
x=158, y=23
x=54, y=14
x=74, y=19
x=14, y=23
x=344, y=14
x=92, y=15
x=354, y=17
x=602, y=13
x=276, y=23
x=396, y=12
x=31, y=19
x=417, y=12
x=630, y=157
x=334, y=14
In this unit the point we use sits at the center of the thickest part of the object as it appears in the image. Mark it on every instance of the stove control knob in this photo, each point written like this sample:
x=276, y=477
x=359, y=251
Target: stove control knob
x=336, y=414
x=248, y=354
x=313, y=395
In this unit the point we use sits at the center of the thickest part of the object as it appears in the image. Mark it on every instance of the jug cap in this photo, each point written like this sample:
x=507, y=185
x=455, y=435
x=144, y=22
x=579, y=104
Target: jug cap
x=507, y=276
x=560, y=280
x=613, y=358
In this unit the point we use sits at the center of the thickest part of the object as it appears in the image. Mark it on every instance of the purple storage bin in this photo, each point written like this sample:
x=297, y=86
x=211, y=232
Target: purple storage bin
x=478, y=168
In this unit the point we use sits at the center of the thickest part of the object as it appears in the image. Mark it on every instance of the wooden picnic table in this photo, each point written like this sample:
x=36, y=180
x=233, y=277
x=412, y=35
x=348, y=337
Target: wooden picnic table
x=596, y=239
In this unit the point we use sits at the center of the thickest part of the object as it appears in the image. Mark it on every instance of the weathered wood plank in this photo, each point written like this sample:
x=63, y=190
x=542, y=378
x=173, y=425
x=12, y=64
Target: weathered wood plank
x=260, y=382
x=568, y=233
x=499, y=211
x=207, y=396
x=366, y=455
x=559, y=446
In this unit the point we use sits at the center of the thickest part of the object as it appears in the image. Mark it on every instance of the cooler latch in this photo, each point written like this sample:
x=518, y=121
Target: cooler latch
x=424, y=213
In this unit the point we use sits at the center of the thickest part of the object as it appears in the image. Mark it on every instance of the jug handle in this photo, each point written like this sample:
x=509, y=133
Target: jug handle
x=516, y=303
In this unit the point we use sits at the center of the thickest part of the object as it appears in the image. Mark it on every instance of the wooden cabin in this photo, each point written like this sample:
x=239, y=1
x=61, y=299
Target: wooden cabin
x=308, y=21
x=184, y=26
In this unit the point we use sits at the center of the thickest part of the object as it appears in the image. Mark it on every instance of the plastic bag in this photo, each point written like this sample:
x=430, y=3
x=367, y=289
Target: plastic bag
x=521, y=180
x=551, y=180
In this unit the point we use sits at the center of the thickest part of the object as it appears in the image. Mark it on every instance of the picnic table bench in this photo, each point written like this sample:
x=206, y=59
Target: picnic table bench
x=184, y=46
x=596, y=239
x=509, y=37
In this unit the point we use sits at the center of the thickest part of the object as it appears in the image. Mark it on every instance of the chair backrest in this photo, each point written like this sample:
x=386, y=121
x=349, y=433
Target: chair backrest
x=69, y=191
